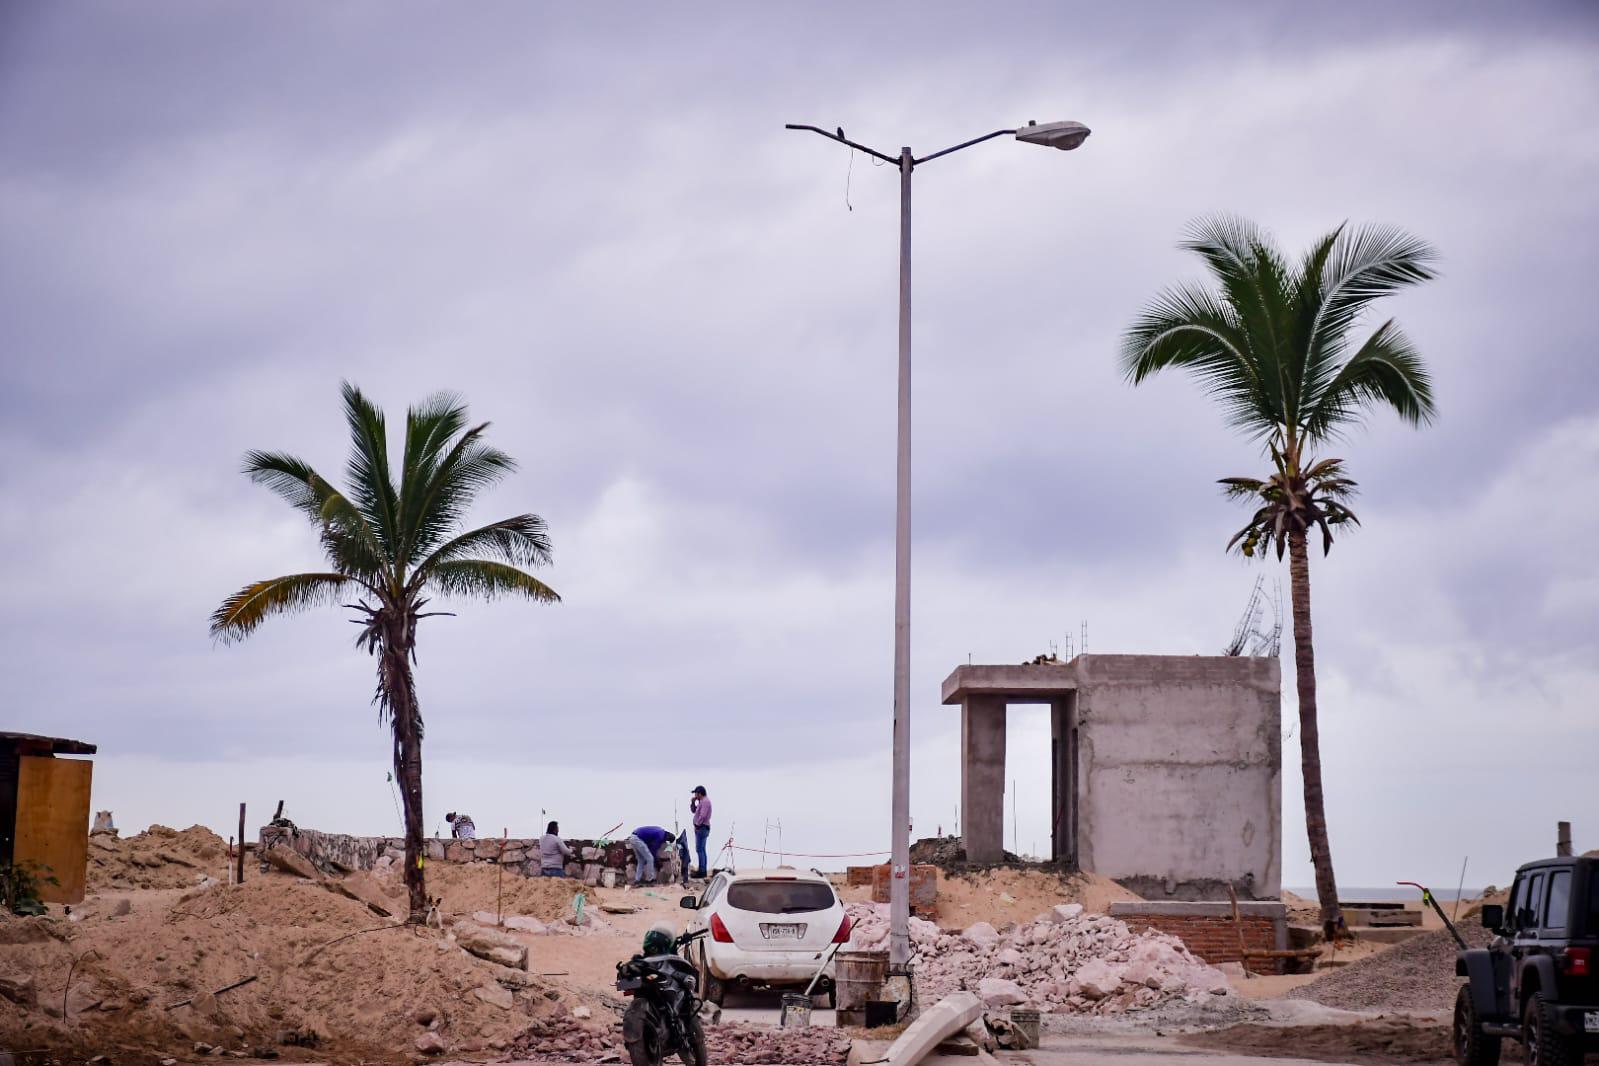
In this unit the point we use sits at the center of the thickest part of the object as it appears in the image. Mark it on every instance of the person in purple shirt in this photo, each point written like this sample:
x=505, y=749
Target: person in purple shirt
x=700, y=804
x=646, y=843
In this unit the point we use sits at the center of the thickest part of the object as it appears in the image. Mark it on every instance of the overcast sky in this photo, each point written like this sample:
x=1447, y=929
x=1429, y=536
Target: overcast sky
x=680, y=319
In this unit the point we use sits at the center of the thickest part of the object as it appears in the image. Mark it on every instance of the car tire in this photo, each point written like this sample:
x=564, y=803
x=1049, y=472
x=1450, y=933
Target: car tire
x=1543, y=1044
x=1472, y=1046
x=711, y=989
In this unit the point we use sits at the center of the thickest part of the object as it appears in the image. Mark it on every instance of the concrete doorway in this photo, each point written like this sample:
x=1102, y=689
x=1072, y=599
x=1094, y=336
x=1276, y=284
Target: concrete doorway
x=985, y=782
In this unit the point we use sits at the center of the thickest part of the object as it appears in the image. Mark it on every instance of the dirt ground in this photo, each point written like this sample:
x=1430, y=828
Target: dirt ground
x=332, y=980
x=138, y=970
x=1378, y=1040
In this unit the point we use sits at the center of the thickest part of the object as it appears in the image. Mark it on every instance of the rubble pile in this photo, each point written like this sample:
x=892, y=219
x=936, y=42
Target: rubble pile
x=563, y=1038
x=1063, y=960
x=741, y=1043
x=568, y=1039
x=159, y=857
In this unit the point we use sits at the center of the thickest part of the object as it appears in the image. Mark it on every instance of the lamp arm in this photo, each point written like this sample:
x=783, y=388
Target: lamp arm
x=844, y=140
x=963, y=144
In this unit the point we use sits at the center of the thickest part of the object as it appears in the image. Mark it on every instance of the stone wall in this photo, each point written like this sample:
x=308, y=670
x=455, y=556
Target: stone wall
x=339, y=853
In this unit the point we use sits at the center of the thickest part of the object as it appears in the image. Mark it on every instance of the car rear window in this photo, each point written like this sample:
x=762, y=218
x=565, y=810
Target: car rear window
x=780, y=897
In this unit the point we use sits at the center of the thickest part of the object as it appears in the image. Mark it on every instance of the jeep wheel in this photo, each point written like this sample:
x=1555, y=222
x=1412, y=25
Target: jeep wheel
x=1545, y=1046
x=1472, y=1048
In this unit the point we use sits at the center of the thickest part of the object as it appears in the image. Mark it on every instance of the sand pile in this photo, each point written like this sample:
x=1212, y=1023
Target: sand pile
x=328, y=975
x=566, y=1039
x=1002, y=895
x=1418, y=974
x=1064, y=960
x=466, y=888
x=156, y=858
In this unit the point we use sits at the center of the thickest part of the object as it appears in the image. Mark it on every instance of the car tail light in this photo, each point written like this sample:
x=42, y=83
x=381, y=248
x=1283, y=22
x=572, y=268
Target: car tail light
x=1577, y=962
x=719, y=931
x=842, y=936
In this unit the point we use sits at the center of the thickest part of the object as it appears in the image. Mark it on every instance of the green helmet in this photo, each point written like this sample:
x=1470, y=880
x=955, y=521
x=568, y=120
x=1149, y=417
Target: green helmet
x=658, y=941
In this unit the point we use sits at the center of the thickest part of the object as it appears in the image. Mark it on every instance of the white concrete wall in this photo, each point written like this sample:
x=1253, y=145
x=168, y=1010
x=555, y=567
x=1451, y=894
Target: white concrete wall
x=1180, y=769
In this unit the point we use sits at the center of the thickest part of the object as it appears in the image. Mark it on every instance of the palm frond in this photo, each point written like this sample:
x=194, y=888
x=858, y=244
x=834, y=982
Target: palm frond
x=487, y=579
x=470, y=467
x=520, y=541
x=292, y=479
x=1387, y=371
x=371, y=485
x=430, y=428
x=241, y=613
x=1188, y=328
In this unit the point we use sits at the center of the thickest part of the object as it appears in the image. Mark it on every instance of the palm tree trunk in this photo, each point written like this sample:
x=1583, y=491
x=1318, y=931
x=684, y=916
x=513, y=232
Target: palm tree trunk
x=1310, y=736
x=400, y=692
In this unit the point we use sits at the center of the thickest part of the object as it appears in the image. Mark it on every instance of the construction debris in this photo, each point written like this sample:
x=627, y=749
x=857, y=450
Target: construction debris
x=1063, y=960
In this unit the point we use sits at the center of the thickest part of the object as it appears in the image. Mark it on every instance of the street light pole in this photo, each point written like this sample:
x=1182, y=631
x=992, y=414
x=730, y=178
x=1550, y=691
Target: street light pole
x=1062, y=135
x=899, y=886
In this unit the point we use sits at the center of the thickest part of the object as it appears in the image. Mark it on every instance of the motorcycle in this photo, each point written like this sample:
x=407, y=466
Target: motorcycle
x=663, y=1019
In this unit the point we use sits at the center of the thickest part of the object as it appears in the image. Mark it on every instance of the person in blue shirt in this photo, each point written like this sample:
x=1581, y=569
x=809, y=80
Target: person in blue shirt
x=646, y=843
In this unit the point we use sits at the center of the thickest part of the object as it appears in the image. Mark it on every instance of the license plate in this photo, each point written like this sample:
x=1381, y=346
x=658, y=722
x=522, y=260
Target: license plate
x=1590, y=1021
x=773, y=931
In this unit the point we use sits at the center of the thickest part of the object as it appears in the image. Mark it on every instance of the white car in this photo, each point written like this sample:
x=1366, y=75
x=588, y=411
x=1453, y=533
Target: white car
x=768, y=929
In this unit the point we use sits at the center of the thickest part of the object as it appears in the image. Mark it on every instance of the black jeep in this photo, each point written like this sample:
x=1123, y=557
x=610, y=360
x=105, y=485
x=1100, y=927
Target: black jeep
x=1538, y=979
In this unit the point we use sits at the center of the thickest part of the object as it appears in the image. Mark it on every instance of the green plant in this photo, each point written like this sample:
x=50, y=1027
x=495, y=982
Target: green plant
x=392, y=546
x=19, y=887
x=1273, y=343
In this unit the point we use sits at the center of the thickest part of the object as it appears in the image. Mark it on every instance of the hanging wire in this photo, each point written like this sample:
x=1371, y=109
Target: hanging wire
x=848, y=174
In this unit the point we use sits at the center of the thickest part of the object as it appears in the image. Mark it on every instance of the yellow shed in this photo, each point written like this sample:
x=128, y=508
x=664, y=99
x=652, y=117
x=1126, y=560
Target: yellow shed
x=44, y=811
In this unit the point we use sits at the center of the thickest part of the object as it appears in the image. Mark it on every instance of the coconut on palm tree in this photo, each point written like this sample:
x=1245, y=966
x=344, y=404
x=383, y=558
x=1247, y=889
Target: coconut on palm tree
x=391, y=548
x=1276, y=343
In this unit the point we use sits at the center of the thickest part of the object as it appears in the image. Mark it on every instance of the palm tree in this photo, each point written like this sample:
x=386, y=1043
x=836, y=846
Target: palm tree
x=391, y=548
x=1275, y=346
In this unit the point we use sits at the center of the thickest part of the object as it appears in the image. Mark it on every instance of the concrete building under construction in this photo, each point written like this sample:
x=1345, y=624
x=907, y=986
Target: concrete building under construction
x=1166, y=769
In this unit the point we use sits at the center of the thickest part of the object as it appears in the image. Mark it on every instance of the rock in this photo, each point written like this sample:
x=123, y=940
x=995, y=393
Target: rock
x=582, y=1014
x=122, y=907
x=608, y=878
x=1065, y=912
x=1010, y=957
x=591, y=872
x=1098, y=979
x=982, y=934
x=202, y=1048
x=491, y=944
x=290, y=862
x=495, y=996
x=525, y=924
x=485, y=918
x=430, y=1044
x=590, y=854
x=998, y=992
x=20, y=990
x=426, y=1016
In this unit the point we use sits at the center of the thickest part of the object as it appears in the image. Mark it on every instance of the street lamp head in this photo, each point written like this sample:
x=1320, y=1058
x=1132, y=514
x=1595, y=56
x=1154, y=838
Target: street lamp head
x=1062, y=135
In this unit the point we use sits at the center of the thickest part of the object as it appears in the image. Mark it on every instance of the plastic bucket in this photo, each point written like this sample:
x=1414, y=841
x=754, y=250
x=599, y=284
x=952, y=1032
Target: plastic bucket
x=796, y=1011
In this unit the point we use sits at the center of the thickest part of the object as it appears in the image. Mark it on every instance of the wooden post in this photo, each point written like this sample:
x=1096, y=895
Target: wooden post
x=238, y=870
x=1563, y=838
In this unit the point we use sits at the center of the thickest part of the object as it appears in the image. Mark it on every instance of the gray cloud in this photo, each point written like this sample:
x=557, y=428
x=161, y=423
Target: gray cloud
x=595, y=227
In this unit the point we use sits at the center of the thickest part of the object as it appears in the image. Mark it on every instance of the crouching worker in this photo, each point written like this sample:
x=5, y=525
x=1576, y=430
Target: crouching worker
x=646, y=843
